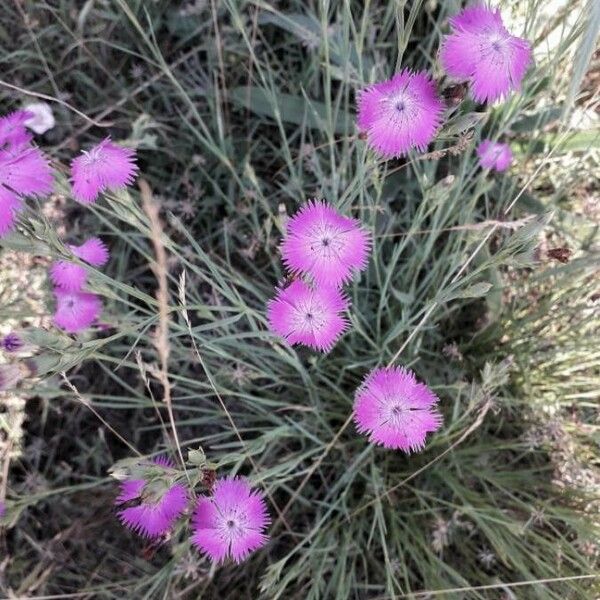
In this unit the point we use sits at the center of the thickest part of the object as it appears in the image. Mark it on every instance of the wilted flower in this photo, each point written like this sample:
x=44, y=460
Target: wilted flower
x=15, y=343
x=12, y=128
x=480, y=49
x=159, y=502
x=71, y=276
x=400, y=114
x=41, y=118
x=10, y=375
x=11, y=342
x=494, y=155
x=231, y=523
x=105, y=166
x=395, y=410
x=322, y=243
x=486, y=557
x=75, y=310
x=440, y=536
x=310, y=316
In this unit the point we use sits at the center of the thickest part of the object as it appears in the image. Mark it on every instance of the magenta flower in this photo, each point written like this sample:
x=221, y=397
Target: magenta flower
x=310, y=316
x=70, y=276
x=400, y=114
x=106, y=166
x=25, y=172
x=160, y=502
x=67, y=275
x=93, y=251
x=395, y=410
x=12, y=128
x=481, y=50
x=75, y=310
x=494, y=155
x=325, y=245
x=232, y=522
x=10, y=206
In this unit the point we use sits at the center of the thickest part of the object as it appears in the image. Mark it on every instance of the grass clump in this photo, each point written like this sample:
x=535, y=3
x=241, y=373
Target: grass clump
x=240, y=112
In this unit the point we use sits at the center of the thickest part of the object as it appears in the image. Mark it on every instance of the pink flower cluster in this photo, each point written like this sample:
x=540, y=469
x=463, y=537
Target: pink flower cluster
x=405, y=112
x=399, y=115
x=230, y=523
x=75, y=308
x=25, y=171
x=322, y=250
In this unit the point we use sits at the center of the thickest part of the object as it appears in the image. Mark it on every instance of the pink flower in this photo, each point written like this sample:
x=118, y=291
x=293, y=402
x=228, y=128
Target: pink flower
x=480, y=49
x=67, y=275
x=10, y=206
x=70, y=276
x=494, y=155
x=93, y=251
x=310, y=316
x=325, y=245
x=400, y=114
x=12, y=128
x=75, y=310
x=25, y=172
x=395, y=410
x=105, y=166
x=160, y=502
x=232, y=522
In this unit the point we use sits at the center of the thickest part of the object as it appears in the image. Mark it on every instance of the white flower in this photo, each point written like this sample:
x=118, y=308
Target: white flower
x=42, y=119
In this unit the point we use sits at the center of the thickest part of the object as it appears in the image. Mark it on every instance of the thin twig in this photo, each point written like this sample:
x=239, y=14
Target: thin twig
x=466, y=227
x=128, y=96
x=161, y=342
x=5, y=468
x=53, y=99
x=81, y=399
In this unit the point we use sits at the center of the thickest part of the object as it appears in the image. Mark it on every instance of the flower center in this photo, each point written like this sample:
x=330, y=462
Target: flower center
x=402, y=108
x=327, y=241
x=231, y=524
x=308, y=317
